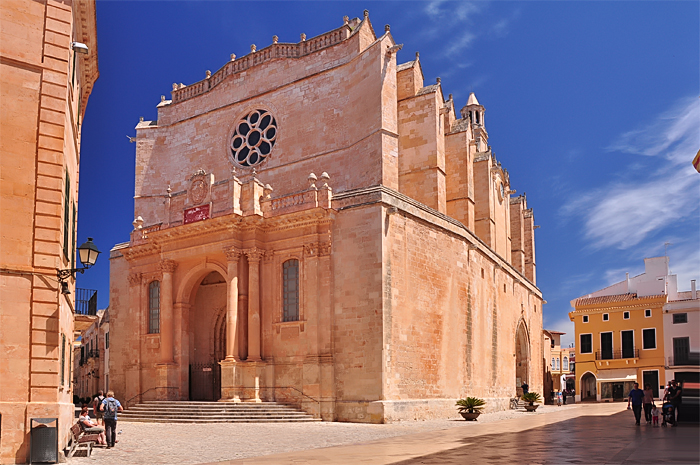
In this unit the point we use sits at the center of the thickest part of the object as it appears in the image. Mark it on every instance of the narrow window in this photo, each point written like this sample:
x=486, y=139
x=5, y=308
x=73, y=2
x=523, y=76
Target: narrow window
x=482, y=272
x=586, y=344
x=504, y=288
x=680, y=318
x=566, y=364
x=626, y=315
x=606, y=317
x=553, y=365
x=647, y=313
x=649, y=338
x=107, y=340
x=154, y=307
x=66, y=217
x=585, y=318
x=290, y=290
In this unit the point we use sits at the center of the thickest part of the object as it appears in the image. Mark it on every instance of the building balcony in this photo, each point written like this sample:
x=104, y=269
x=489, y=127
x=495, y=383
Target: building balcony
x=689, y=359
x=85, y=301
x=616, y=354
x=93, y=353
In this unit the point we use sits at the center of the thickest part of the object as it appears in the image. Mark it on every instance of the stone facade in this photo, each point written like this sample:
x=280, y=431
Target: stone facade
x=372, y=204
x=45, y=88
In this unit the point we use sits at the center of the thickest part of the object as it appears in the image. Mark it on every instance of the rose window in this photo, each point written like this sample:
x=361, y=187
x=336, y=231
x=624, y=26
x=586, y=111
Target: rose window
x=254, y=137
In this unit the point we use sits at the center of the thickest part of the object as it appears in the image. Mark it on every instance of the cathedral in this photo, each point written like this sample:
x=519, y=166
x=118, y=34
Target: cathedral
x=318, y=226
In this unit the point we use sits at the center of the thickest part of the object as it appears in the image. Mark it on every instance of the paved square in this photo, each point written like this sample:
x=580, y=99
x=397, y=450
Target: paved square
x=583, y=434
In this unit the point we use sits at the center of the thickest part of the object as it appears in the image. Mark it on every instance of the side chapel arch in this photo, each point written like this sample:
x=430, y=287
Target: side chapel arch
x=522, y=355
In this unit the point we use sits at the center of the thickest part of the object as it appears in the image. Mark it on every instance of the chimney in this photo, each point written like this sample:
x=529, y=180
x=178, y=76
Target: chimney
x=628, y=282
x=693, y=292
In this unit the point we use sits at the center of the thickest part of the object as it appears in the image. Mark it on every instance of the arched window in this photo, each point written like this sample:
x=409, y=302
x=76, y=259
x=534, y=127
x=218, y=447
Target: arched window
x=557, y=360
x=566, y=363
x=290, y=290
x=154, y=307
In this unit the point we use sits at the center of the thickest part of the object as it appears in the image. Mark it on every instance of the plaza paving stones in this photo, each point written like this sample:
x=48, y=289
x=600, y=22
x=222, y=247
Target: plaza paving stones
x=579, y=434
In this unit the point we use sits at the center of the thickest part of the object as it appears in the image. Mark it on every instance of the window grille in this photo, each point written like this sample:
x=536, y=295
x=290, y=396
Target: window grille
x=290, y=284
x=154, y=307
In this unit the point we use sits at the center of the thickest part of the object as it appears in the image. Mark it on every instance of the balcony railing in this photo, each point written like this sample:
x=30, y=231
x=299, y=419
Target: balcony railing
x=93, y=353
x=691, y=358
x=616, y=354
x=85, y=301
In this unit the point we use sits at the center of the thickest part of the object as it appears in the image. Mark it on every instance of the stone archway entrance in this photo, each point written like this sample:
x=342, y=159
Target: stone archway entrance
x=588, y=387
x=522, y=358
x=207, y=338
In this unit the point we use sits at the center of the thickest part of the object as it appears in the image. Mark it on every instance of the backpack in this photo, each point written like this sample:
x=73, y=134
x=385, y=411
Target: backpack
x=110, y=409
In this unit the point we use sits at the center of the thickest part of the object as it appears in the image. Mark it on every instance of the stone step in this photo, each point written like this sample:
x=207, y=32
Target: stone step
x=226, y=420
x=212, y=412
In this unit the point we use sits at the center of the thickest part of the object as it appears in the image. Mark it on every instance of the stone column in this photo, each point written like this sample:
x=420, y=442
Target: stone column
x=254, y=256
x=167, y=267
x=131, y=368
x=232, y=256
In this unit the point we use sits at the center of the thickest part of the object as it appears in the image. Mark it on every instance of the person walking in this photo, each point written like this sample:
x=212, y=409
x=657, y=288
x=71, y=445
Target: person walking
x=564, y=393
x=525, y=388
x=110, y=407
x=648, y=402
x=96, y=404
x=676, y=399
x=635, y=397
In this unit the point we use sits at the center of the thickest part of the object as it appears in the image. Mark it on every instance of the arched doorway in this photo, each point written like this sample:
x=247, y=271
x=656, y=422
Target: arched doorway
x=207, y=338
x=588, y=387
x=522, y=358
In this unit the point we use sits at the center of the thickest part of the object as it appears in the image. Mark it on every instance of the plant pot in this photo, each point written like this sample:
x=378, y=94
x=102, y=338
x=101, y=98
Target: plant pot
x=470, y=416
x=531, y=408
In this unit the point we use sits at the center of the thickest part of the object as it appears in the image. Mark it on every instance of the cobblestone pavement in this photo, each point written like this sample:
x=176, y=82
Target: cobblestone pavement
x=191, y=443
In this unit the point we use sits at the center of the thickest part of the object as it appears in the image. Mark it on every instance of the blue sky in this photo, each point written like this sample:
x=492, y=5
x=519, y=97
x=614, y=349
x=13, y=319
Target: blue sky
x=591, y=106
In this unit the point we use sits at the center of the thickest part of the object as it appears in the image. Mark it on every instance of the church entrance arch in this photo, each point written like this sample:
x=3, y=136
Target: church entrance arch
x=522, y=357
x=588, y=386
x=207, y=337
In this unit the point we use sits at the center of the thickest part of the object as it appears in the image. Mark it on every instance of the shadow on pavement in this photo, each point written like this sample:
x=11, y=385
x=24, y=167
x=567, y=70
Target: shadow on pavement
x=589, y=440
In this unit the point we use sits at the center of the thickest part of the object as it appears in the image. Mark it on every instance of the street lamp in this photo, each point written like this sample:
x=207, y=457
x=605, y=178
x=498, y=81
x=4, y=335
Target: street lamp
x=88, y=253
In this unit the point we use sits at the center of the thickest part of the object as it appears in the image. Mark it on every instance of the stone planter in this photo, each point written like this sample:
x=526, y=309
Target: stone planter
x=531, y=408
x=470, y=416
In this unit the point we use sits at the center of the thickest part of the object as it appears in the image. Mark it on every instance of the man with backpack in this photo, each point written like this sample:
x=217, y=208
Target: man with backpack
x=110, y=407
x=96, y=404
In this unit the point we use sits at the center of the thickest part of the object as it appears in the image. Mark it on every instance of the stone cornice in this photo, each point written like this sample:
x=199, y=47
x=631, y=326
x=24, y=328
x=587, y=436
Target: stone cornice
x=86, y=28
x=167, y=266
x=391, y=198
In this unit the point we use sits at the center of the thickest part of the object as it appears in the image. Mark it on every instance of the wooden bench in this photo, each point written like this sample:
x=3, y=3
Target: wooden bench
x=80, y=440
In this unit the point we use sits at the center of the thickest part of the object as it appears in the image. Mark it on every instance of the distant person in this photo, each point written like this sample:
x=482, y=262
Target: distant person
x=636, y=398
x=668, y=388
x=676, y=399
x=96, y=403
x=110, y=407
x=91, y=427
x=525, y=387
x=655, y=415
x=564, y=393
x=648, y=402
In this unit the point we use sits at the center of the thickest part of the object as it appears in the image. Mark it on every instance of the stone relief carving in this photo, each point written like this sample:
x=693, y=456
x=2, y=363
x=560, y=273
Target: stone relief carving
x=167, y=266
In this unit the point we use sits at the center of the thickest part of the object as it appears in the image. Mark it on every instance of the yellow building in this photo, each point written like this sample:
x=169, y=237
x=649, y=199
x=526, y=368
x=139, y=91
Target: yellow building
x=619, y=334
x=559, y=360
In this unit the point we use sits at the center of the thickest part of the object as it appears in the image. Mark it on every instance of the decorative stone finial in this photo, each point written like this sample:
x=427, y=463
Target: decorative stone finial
x=174, y=86
x=437, y=80
x=346, y=20
x=303, y=37
x=141, y=118
x=366, y=13
x=207, y=74
x=169, y=190
x=325, y=178
x=253, y=48
x=162, y=98
x=417, y=55
x=312, y=181
x=138, y=222
x=255, y=172
x=267, y=191
x=449, y=97
x=233, y=57
x=387, y=28
x=275, y=39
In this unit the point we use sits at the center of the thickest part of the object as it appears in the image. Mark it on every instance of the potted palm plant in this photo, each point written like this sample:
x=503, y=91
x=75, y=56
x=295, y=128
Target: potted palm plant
x=470, y=407
x=531, y=398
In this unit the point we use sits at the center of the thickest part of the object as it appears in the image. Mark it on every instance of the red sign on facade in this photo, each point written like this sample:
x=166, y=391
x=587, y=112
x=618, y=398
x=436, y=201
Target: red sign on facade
x=194, y=214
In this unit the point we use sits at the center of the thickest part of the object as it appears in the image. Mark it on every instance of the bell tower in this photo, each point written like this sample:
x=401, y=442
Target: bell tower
x=474, y=111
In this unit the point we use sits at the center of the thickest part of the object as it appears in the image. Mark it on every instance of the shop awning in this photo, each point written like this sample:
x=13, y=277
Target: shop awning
x=617, y=375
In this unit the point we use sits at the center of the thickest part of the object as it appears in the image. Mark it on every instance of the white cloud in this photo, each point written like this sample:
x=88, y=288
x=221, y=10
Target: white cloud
x=625, y=213
x=563, y=325
x=457, y=45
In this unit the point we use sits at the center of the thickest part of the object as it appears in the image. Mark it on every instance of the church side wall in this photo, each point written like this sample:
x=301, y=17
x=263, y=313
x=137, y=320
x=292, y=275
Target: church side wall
x=451, y=332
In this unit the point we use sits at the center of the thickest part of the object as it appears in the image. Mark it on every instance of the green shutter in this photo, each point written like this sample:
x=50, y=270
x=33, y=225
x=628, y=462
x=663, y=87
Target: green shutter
x=63, y=358
x=66, y=217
